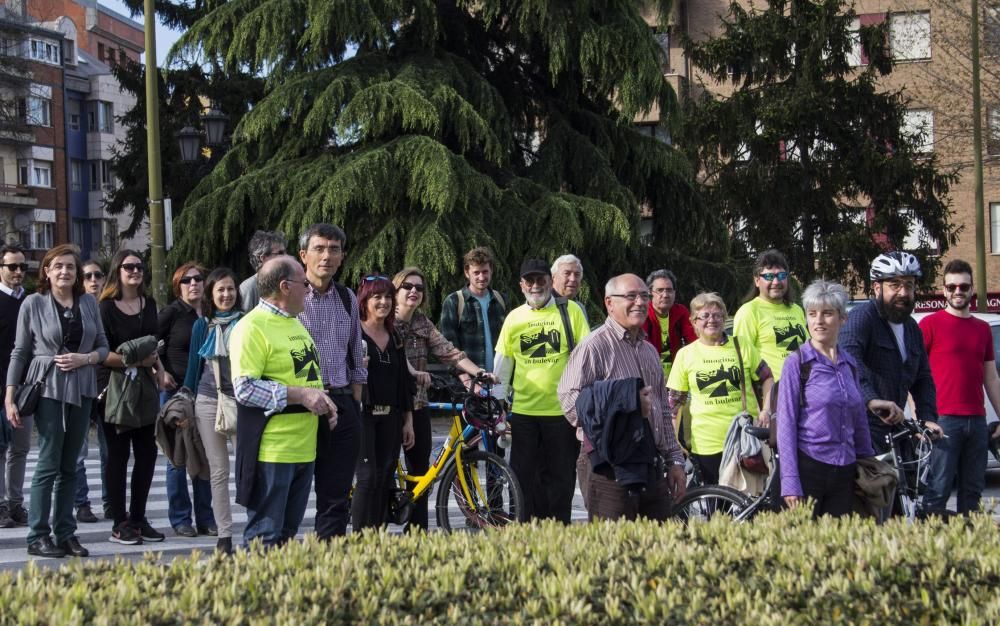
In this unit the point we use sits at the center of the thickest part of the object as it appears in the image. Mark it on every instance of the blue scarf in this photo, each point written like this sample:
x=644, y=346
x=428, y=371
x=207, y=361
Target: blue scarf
x=217, y=343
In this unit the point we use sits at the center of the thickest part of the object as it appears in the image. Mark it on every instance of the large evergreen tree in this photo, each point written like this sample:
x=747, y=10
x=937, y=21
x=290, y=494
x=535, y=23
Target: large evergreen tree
x=427, y=127
x=807, y=154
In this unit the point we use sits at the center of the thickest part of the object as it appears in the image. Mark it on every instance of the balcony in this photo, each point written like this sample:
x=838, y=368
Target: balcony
x=17, y=196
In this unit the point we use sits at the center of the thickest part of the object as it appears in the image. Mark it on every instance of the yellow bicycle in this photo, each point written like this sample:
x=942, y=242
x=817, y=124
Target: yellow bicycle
x=478, y=488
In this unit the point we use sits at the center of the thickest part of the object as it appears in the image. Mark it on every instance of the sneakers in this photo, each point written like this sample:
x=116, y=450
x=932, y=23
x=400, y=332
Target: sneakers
x=185, y=530
x=211, y=530
x=125, y=534
x=85, y=515
x=19, y=515
x=149, y=533
x=5, y=519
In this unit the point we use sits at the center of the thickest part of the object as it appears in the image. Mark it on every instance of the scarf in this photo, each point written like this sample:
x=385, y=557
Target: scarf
x=217, y=343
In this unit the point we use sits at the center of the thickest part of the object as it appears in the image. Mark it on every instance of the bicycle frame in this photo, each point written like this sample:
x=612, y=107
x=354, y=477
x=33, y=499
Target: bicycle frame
x=908, y=495
x=451, y=452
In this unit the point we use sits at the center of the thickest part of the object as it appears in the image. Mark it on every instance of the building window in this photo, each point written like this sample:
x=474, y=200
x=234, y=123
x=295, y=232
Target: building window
x=42, y=235
x=854, y=35
x=34, y=173
x=104, y=236
x=100, y=176
x=993, y=131
x=995, y=227
x=918, y=127
x=35, y=111
x=656, y=131
x=73, y=114
x=45, y=51
x=76, y=175
x=991, y=31
x=918, y=237
x=910, y=36
x=100, y=117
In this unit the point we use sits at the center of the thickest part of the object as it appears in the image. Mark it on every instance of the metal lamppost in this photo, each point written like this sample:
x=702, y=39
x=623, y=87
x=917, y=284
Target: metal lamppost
x=977, y=149
x=157, y=228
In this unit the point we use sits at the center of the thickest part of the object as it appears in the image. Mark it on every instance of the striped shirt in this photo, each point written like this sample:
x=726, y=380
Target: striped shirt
x=269, y=395
x=335, y=332
x=611, y=353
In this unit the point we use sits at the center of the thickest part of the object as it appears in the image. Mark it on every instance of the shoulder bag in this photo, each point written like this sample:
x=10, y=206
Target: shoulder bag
x=225, y=411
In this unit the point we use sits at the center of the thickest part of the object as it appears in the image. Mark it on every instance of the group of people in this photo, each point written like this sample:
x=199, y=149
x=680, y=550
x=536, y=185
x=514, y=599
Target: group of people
x=327, y=385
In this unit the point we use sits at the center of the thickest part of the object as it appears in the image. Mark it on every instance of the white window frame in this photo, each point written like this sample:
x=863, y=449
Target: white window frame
x=993, y=131
x=42, y=235
x=994, y=227
x=76, y=175
x=918, y=128
x=101, y=178
x=74, y=124
x=854, y=56
x=45, y=51
x=34, y=173
x=910, y=36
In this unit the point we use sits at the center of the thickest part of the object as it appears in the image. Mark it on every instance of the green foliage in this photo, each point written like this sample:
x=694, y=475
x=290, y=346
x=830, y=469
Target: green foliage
x=807, y=154
x=781, y=569
x=454, y=124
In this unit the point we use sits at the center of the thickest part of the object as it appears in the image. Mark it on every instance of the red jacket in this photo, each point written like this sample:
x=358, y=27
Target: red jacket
x=681, y=331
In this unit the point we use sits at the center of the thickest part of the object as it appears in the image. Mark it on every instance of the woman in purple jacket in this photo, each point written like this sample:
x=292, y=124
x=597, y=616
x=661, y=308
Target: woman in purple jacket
x=822, y=423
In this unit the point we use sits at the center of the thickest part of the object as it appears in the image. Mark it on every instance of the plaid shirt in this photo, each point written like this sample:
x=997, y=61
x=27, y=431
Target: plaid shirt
x=264, y=394
x=467, y=334
x=334, y=332
x=421, y=338
x=610, y=353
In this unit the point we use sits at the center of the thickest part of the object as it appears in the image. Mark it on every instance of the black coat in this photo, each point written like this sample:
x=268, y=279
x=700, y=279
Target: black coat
x=611, y=416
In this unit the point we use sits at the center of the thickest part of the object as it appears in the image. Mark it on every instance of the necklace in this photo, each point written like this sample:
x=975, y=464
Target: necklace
x=127, y=306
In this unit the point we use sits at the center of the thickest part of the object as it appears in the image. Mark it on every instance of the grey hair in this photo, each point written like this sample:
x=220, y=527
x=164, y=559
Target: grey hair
x=823, y=293
x=326, y=231
x=658, y=274
x=269, y=280
x=261, y=244
x=566, y=259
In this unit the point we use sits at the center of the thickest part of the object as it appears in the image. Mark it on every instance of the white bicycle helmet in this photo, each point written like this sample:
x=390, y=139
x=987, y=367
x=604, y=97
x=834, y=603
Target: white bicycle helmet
x=893, y=265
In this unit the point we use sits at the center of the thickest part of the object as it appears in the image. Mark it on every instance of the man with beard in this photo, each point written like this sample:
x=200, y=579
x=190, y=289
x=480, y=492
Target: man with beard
x=888, y=346
x=960, y=349
x=531, y=353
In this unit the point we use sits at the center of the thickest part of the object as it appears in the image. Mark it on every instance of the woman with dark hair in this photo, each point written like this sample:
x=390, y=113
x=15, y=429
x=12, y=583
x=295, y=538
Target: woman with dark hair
x=175, y=323
x=60, y=338
x=129, y=314
x=387, y=419
x=420, y=338
x=210, y=346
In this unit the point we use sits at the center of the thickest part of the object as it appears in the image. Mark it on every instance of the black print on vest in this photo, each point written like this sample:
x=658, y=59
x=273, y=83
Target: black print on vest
x=306, y=362
x=536, y=345
x=719, y=377
x=794, y=334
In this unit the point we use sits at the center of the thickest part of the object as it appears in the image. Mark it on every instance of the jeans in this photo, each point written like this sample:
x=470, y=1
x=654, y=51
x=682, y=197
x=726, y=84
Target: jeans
x=82, y=489
x=277, y=502
x=178, y=499
x=53, y=484
x=336, y=457
x=14, y=461
x=958, y=458
x=543, y=455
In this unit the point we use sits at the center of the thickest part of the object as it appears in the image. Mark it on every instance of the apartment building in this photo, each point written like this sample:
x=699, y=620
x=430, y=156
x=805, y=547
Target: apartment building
x=930, y=42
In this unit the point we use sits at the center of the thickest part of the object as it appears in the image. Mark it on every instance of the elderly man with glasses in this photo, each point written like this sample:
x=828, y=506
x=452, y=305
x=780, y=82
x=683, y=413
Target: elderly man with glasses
x=531, y=353
x=14, y=443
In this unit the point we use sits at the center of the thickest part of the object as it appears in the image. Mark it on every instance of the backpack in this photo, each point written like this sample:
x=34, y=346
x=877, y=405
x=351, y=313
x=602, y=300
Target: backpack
x=461, y=302
x=345, y=298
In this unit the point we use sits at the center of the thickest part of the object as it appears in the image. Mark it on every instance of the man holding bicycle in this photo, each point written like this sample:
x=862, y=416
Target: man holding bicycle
x=617, y=350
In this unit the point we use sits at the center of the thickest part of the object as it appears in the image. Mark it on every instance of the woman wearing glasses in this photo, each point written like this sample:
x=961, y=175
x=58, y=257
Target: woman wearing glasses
x=60, y=338
x=387, y=417
x=708, y=372
x=175, y=323
x=129, y=314
x=420, y=337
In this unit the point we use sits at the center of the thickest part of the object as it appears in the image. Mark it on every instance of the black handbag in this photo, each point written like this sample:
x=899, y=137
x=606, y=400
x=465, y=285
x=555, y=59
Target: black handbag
x=27, y=396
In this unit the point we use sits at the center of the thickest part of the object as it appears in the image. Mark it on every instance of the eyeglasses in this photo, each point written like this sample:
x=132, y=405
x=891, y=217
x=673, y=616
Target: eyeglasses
x=132, y=267
x=631, y=297
x=304, y=283
x=958, y=287
x=715, y=317
x=411, y=286
x=769, y=276
x=16, y=267
x=197, y=278
x=663, y=290
x=93, y=275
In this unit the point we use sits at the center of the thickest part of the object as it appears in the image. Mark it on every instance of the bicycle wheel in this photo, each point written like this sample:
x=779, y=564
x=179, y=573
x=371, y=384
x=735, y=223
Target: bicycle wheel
x=703, y=503
x=494, y=499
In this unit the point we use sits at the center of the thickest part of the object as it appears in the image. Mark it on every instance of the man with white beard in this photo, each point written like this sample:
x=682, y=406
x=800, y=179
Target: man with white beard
x=531, y=353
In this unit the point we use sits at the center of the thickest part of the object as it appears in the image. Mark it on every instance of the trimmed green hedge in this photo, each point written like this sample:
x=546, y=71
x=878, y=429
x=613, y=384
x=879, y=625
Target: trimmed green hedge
x=782, y=569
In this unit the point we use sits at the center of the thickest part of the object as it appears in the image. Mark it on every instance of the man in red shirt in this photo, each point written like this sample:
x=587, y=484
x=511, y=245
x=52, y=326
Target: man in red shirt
x=960, y=349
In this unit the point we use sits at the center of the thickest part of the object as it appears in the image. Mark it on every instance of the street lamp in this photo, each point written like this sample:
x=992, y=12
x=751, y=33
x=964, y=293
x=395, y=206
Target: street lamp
x=214, y=122
x=190, y=143
x=157, y=227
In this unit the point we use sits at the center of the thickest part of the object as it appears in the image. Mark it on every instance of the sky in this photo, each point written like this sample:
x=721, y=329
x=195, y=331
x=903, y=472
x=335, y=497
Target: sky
x=165, y=37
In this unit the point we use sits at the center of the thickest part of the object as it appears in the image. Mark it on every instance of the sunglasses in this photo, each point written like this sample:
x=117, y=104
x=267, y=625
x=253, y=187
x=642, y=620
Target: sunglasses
x=958, y=287
x=769, y=276
x=373, y=278
x=93, y=275
x=16, y=267
x=411, y=287
x=132, y=267
x=197, y=278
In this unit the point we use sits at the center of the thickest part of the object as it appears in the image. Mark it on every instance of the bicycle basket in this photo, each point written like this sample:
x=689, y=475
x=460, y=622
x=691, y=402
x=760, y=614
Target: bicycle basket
x=482, y=413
